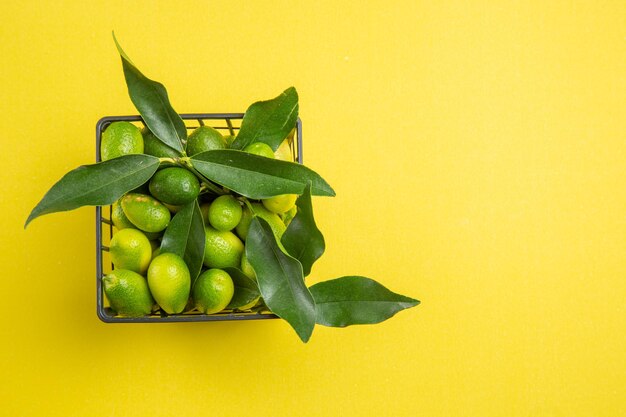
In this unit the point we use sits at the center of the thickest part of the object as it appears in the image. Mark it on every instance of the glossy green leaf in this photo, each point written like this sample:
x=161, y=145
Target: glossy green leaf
x=96, y=185
x=280, y=279
x=184, y=237
x=352, y=300
x=151, y=100
x=302, y=239
x=246, y=290
x=258, y=177
x=269, y=121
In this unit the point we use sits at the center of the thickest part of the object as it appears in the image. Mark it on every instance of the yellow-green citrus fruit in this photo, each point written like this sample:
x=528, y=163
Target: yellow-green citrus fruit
x=280, y=203
x=120, y=138
x=229, y=140
x=246, y=267
x=284, y=152
x=153, y=146
x=175, y=185
x=170, y=282
x=119, y=219
x=203, y=139
x=275, y=222
x=261, y=149
x=225, y=212
x=222, y=249
x=145, y=212
x=172, y=208
x=249, y=305
x=204, y=210
x=212, y=291
x=128, y=293
x=130, y=249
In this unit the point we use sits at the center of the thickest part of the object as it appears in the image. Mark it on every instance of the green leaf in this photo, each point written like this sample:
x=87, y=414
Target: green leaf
x=352, y=300
x=96, y=185
x=151, y=100
x=184, y=236
x=269, y=121
x=302, y=239
x=280, y=279
x=246, y=289
x=258, y=177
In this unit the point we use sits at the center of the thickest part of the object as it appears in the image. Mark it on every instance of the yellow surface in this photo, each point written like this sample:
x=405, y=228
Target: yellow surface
x=478, y=150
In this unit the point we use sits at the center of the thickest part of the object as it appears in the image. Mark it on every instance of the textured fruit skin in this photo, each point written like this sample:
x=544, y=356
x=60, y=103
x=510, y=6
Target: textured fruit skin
x=280, y=203
x=153, y=146
x=203, y=139
x=176, y=186
x=130, y=249
x=277, y=225
x=120, y=138
x=224, y=212
x=246, y=267
x=119, y=219
x=261, y=149
x=169, y=282
x=145, y=212
x=128, y=293
x=222, y=249
x=212, y=291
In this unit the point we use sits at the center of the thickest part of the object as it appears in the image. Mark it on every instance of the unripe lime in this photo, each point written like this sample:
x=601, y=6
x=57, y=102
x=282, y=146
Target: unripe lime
x=225, y=212
x=280, y=203
x=203, y=139
x=222, y=249
x=283, y=152
x=175, y=186
x=153, y=146
x=277, y=225
x=170, y=282
x=128, y=293
x=261, y=149
x=145, y=212
x=130, y=249
x=120, y=138
x=246, y=267
x=212, y=291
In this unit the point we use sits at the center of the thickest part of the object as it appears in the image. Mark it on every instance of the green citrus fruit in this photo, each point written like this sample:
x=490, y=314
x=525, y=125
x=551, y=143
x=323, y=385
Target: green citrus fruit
x=145, y=212
x=246, y=267
x=170, y=282
x=130, y=249
x=120, y=138
x=212, y=291
x=204, y=210
x=128, y=293
x=119, y=219
x=222, y=249
x=224, y=212
x=289, y=215
x=284, y=152
x=153, y=146
x=175, y=185
x=280, y=203
x=203, y=139
x=261, y=149
x=277, y=225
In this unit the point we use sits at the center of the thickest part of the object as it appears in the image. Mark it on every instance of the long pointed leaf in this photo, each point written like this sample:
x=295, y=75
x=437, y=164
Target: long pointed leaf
x=280, y=279
x=151, y=100
x=96, y=185
x=352, y=300
x=258, y=177
x=184, y=236
x=269, y=121
x=246, y=290
x=302, y=239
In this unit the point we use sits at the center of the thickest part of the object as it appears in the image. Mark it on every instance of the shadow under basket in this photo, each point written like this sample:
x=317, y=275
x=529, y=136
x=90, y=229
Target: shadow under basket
x=227, y=123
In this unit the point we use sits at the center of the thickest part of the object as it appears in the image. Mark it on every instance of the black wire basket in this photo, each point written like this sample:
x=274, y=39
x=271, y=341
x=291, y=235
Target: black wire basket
x=225, y=122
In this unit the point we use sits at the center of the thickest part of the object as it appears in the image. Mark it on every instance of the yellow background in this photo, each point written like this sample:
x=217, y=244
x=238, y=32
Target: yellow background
x=478, y=151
